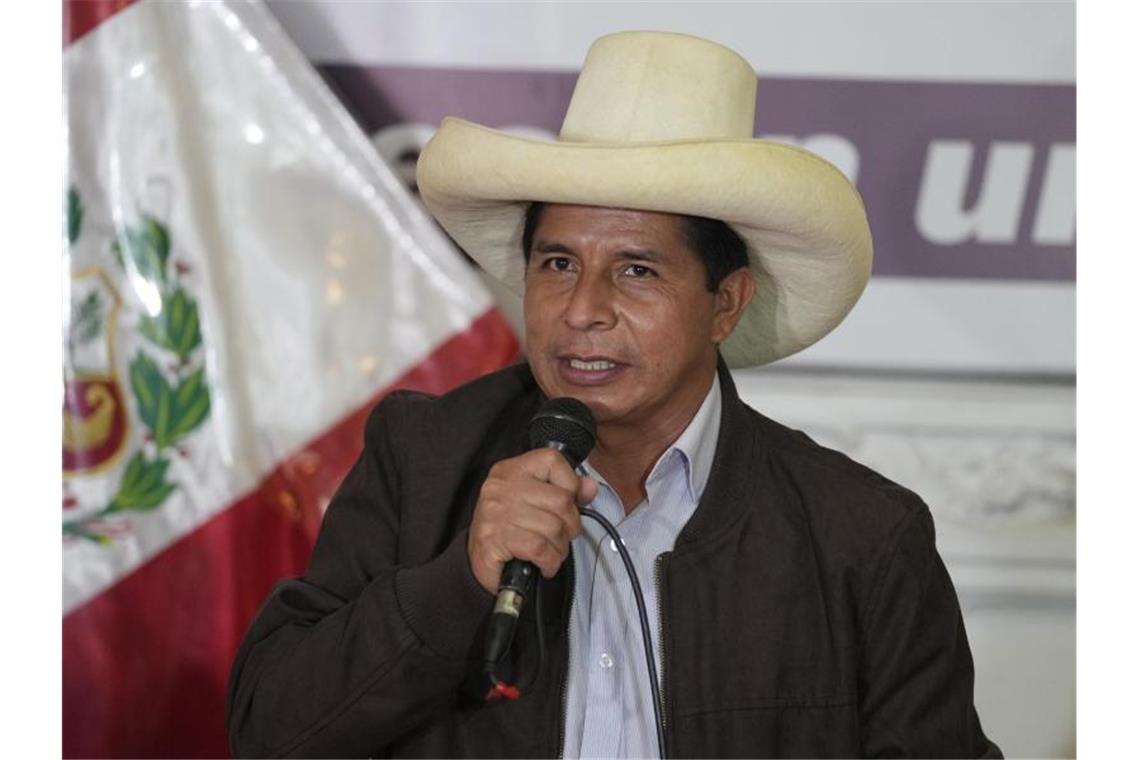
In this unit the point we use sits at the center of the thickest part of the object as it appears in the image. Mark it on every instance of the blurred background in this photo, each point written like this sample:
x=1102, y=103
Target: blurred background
x=249, y=271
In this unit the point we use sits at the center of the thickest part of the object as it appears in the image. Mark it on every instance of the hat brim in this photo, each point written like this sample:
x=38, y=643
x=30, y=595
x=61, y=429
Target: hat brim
x=809, y=243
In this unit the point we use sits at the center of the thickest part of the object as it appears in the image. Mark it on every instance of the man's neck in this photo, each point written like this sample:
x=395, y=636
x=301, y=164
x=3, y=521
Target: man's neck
x=625, y=454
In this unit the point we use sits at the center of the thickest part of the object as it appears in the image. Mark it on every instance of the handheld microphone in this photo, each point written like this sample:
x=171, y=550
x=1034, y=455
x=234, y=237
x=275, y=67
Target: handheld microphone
x=566, y=425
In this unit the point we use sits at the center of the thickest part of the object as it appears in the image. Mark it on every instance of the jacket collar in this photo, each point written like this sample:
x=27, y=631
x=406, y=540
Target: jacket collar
x=735, y=468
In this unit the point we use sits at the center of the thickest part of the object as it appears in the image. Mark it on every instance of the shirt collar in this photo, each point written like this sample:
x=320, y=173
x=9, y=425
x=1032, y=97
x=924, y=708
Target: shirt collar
x=696, y=446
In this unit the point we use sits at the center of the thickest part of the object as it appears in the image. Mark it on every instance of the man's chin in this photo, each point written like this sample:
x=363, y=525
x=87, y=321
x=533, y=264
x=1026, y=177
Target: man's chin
x=602, y=399
x=605, y=403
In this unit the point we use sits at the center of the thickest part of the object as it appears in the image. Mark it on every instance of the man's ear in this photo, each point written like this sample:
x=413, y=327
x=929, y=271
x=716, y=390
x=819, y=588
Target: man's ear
x=732, y=298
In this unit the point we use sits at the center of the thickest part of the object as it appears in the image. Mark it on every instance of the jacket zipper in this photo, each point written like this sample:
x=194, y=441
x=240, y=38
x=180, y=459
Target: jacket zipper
x=657, y=572
x=569, y=652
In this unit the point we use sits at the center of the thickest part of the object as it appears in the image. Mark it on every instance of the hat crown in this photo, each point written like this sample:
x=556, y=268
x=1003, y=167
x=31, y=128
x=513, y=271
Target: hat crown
x=660, y=86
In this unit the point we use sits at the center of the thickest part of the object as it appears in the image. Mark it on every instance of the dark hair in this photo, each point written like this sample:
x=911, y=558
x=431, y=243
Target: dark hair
x=720, y=248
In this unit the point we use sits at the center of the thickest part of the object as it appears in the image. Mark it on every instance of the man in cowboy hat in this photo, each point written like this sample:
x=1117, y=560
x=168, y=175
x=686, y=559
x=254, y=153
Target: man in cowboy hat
x=801, y=607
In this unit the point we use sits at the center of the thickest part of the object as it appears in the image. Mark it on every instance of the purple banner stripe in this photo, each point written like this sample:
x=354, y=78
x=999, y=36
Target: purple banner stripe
x=960, y=180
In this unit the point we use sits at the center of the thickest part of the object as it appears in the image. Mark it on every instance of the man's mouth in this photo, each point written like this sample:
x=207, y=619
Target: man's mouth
x=589, y=370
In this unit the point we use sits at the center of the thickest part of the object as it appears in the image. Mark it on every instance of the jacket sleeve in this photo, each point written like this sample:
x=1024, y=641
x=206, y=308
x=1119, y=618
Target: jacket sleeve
x=360, y=650
x=917, y=678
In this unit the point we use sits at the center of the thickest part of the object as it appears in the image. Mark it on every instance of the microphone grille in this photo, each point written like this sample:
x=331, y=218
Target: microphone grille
x=566, y=421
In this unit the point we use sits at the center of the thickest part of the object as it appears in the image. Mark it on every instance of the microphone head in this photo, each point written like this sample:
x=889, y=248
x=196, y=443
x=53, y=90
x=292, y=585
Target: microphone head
x=567, y=425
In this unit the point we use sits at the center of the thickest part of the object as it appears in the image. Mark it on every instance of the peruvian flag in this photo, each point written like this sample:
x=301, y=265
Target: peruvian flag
x=246, y=279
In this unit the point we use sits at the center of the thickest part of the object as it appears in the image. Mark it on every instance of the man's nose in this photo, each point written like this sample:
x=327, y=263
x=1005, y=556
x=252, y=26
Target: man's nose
x=591, y=303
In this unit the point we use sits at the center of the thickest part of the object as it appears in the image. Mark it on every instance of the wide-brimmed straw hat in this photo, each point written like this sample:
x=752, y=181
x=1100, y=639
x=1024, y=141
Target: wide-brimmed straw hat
x=664, y=122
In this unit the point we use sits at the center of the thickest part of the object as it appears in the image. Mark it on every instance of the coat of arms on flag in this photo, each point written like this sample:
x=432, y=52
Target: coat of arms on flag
x=165, y=377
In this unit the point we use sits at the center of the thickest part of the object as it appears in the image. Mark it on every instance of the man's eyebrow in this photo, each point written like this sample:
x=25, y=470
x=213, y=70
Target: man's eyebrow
x=640, y=254
x=543, y=246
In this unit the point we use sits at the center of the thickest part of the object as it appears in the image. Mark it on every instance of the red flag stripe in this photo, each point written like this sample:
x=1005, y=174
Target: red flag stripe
x=146, y=662
x=81, y=16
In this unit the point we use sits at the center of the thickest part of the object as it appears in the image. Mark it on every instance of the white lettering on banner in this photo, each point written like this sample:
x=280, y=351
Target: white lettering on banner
x=834, y=148
x=941, y=216
x=1056, y=222
x=996, y=214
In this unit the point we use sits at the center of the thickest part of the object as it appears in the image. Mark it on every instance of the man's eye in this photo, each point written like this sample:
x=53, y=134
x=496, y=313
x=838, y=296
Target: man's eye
x=558, y=264
x=639, y=270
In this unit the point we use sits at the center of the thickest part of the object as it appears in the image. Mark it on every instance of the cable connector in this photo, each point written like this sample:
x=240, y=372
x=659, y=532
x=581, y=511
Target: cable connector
x=500, y=690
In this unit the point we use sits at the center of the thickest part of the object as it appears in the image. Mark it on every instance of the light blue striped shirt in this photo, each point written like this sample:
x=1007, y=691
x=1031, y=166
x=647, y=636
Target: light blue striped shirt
x=609, y=703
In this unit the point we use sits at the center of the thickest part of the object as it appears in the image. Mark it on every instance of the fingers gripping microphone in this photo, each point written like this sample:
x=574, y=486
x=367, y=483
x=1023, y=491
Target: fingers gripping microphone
x=564, y=424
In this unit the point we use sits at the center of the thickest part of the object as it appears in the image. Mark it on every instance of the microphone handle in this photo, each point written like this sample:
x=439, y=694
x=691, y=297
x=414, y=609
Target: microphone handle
x=515, y=587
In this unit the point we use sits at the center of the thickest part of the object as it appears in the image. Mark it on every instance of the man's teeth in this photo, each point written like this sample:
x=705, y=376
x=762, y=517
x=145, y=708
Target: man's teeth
x=596, y=366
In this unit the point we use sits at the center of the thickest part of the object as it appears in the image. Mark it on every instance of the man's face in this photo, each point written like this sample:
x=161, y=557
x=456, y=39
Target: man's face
x=618, y=314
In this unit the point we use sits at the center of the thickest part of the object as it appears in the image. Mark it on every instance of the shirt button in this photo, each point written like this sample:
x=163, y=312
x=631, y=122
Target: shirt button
x=606, y=661
x=613, y=545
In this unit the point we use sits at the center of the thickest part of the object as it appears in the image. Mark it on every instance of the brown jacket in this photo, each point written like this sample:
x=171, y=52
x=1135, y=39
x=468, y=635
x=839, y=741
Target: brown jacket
x=805, y=610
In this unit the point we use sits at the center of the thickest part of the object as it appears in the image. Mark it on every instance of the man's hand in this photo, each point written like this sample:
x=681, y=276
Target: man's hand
x=527, y=509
